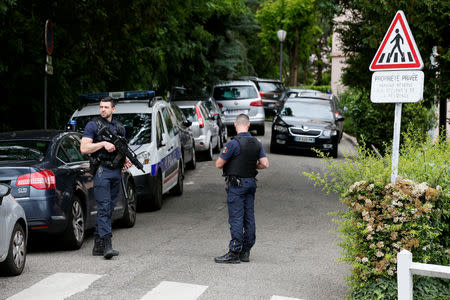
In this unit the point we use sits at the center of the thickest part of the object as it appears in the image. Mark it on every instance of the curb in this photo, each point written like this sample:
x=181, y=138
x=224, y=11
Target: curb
x=350, y=138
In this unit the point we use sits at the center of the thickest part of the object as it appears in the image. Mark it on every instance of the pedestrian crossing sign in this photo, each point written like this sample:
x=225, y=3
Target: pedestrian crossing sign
x=398, y=50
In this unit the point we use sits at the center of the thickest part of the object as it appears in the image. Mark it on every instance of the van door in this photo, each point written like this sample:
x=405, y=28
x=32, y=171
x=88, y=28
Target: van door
x=173, y=153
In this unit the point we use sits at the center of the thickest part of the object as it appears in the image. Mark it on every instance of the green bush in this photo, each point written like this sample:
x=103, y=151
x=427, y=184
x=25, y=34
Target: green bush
x=382, y=218
x=322, y=88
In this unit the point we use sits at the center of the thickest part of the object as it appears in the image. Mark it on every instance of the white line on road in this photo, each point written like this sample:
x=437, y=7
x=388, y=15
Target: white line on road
x=283, y=298
x=168, y=290
x=189, y=183
x=57, y=287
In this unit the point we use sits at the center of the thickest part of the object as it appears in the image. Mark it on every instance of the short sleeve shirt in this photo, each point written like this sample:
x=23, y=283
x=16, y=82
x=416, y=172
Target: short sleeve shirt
x=233, y=148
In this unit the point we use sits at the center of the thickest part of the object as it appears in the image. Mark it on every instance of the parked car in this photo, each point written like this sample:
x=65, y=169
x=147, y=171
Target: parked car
x=13, y=234
x=204, y=127
x=304, y=124
x=151, y=134
x=313, y=94
x=186, y=136
x=50, y=179
x=272, y=91
x=217, y=114
x=240, y=97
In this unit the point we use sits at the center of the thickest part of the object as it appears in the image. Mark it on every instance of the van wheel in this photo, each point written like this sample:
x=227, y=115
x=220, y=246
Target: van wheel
x=74, y=234
x=334, y=152
x=129, y=214
x=178, y=189
x=192, y=164
x=157, y=192
x=209, y=152
x=218, y=146
x=17, y=253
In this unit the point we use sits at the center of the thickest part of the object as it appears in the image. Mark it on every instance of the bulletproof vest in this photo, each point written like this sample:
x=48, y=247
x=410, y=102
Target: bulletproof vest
x=109, y=159
x=244, y=165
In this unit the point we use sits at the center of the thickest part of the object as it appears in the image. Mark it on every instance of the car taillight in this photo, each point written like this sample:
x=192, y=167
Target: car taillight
x=257, y=103
x=220, y=105
x=261, y=94
x=42, y=180
x=201, y=123
x=336, y=114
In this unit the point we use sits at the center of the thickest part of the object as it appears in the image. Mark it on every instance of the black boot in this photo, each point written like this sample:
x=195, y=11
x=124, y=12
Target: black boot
x=108, y=252
x=229, y=258
x=244, y=256
x=99, y=247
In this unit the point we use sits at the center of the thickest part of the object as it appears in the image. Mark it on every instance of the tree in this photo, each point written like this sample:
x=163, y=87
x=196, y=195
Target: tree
x=298, y=18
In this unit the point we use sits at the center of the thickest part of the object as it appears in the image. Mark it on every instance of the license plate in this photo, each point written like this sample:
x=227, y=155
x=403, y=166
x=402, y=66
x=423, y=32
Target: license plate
x=236, y=111
x=304, y=139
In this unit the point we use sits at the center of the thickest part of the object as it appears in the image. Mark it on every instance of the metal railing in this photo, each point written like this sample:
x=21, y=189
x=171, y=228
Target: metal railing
x=406, y=268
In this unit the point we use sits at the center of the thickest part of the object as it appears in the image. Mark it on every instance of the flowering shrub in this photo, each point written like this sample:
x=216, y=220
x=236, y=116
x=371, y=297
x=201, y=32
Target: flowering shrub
x=382, y=218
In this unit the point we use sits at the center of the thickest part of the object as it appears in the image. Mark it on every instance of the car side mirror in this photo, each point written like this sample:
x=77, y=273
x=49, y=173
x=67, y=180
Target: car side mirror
x=5, y=190
x=340, y=117
x=187, y=123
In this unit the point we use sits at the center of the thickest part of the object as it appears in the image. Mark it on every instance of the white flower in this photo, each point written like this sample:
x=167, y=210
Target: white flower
x=390, y=272
x=369, y=237
x=379, y=253
x=369, y=228
x=364, y=259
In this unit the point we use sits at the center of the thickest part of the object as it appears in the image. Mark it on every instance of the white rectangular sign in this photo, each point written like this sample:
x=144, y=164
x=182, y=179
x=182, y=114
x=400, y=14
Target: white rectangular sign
x=397, y=86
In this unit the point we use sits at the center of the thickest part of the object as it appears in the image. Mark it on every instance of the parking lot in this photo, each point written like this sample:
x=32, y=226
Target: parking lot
x=173, y=249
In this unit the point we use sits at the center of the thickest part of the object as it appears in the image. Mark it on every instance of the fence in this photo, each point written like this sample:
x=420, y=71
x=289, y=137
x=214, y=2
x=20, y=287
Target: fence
x=406, y=268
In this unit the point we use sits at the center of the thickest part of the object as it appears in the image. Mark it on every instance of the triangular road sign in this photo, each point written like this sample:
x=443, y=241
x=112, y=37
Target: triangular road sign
x=398, y=50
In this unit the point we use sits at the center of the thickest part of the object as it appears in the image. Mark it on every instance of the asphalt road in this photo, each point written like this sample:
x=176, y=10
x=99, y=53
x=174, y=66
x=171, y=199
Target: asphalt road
x=294, y=255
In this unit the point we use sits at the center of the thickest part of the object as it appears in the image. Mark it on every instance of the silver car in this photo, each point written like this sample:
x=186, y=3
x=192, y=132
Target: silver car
x=204, y=127
x=13, y=233
x=240, y=97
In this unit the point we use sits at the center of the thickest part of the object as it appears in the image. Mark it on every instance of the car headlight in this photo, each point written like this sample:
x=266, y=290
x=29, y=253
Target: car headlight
x=144, y=157
x=280, y=128
x=328, y=132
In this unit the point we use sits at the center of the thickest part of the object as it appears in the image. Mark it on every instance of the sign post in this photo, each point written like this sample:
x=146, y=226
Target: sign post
x=397, y=78
x=48, y=63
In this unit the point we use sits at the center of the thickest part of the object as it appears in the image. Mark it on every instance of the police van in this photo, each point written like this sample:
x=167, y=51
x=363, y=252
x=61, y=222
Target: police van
x=151, y=134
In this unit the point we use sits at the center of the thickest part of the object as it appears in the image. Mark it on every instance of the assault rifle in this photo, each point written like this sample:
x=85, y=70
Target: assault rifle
x=121, y=146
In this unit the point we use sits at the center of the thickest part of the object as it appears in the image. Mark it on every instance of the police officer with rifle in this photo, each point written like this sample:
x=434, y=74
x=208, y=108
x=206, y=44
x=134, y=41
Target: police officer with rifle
x=104, y=140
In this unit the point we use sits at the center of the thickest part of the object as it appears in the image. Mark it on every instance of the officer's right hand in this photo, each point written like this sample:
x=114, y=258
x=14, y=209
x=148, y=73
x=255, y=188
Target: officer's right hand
x=108, y=146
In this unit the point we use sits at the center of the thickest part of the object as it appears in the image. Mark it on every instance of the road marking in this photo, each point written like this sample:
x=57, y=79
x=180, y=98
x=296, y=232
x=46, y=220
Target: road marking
x=189, y=183
x=283, y=298
x=168, y=290
x=57, y=287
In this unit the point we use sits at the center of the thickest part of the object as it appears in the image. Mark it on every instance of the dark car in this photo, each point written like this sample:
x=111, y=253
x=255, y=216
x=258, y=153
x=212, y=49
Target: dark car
x=314, y=94
x=216, y=113
x=186, y=136
x=50, y=179
x=272, y=92
x=304, y=124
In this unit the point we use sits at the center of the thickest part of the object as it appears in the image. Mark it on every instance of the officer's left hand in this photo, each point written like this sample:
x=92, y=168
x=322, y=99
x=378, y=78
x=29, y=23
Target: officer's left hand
x=127, y=164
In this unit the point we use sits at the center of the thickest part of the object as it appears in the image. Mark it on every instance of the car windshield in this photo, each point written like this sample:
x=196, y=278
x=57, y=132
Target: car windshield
x=234, y=92
x=308, y=110
x=23, y=150
x=138, y=126
x=270, y=87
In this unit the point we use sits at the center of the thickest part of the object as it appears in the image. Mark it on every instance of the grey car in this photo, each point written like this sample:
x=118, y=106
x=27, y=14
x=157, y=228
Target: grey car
x=13, y=233
x=204, y=127
x=240, y=97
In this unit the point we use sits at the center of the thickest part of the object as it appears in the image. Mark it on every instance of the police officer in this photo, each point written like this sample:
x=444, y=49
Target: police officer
x=108, y=175
x=239, y=160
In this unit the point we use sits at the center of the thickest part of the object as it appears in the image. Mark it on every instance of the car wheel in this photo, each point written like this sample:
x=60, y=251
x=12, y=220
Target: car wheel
x=17, y=252
x=74, y=233
x=178, y=189
x=129, y=214
x=191, y=165
x=209, y=152
x=334, y=152
x=260, y=130
x=217, y=148
x=220, y=141
x=157, y=192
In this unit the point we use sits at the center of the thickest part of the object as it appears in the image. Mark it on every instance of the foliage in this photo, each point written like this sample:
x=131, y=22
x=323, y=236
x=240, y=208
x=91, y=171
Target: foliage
x=375, y=121
x=361, y=34
x=382, y=218
x=321, y=88
x=298, y=19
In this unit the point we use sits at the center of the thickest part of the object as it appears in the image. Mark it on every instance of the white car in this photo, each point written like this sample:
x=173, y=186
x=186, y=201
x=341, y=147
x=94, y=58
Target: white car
x=151, y=134
x=13, y=233
x=240, y=97
x=204, y=127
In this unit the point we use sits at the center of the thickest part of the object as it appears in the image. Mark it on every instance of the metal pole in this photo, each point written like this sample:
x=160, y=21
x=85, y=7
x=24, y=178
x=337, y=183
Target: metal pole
x=396, y=142
x=45, y=101
x=281, y=58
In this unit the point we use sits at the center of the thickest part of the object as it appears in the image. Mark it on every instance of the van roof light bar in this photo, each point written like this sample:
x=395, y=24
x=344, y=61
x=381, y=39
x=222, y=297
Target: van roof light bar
x=125, y=95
